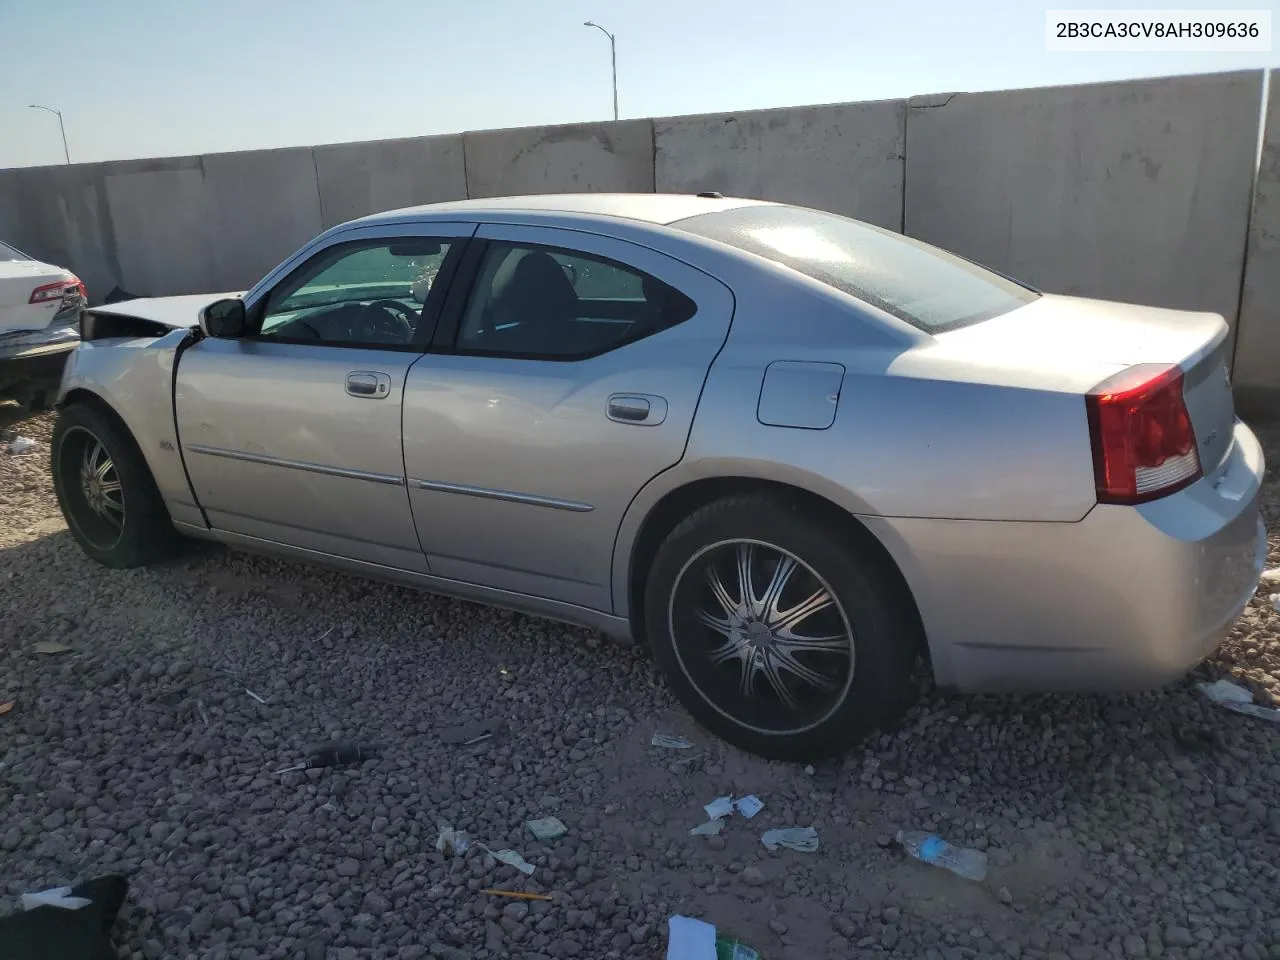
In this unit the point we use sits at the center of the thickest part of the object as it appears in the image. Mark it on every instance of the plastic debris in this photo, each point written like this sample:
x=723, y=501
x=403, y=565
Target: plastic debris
x=690, y=939
x=728, y=948
x=6, y=706
x=451, y=841
x=799, y=839
x=21, y=445
x=510, y=858
x=1224, y=692
x=1271, y=576
x=670, y=743
x=709, y=829
x=1255, y=710
x=255, y=696
x=809, y=769
x=1237, y=698
x=931, y=849
x=546, y=828
x=54, y=897
x=334, y=755
x=517, y=894
x=50, y=648
x=719, y=808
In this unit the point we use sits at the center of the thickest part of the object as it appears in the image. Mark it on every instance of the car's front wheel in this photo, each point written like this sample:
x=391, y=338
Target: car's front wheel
x=106, y=491
x=780, y=633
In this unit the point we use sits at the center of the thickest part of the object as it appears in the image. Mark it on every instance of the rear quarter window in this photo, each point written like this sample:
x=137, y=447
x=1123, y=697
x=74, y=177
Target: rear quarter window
x=920, y=284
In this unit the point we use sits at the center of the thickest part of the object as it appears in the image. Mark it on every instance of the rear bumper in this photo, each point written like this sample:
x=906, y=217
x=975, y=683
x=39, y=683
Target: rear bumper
x=32, y=363
x=1128, y=598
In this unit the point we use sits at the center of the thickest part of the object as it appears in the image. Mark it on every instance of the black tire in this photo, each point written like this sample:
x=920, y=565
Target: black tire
x=881, y=635
x=122, y=522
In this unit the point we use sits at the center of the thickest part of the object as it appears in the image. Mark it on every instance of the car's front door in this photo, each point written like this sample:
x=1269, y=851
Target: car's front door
x=292, y=433
x=570, y=376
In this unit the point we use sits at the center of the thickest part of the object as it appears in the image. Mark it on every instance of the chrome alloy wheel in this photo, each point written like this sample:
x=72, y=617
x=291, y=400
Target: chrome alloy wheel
x=761, y=636
x=92, y=483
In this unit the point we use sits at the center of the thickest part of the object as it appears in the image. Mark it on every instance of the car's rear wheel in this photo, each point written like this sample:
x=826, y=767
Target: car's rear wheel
x=780, y=633
x=106, y=491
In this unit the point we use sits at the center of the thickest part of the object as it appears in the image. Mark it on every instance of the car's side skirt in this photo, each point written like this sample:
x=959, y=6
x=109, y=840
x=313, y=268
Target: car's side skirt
x=569, y=613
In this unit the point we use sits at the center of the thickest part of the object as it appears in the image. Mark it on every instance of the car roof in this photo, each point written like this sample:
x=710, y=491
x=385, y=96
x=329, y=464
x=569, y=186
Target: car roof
x=657, y=208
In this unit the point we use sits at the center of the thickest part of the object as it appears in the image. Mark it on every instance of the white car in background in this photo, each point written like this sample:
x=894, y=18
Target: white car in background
x=39, y=325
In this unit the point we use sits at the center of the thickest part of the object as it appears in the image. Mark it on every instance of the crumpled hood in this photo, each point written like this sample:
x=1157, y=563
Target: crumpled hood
x=176, y=312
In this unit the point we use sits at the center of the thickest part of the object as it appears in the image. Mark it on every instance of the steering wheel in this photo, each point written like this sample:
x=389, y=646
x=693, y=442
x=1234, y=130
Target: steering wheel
x=384, y=321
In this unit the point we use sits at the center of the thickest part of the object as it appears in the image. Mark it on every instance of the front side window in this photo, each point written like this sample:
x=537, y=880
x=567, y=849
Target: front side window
x=924, y=285
x=363, y=293
x=543, y=302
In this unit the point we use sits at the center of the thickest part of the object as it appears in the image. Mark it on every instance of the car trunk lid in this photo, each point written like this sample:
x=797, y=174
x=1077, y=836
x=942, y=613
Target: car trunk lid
x=1073, y=344
x=18, y=278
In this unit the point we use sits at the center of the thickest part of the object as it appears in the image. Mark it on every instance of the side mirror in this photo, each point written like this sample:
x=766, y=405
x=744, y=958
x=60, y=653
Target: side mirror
x=224, y=319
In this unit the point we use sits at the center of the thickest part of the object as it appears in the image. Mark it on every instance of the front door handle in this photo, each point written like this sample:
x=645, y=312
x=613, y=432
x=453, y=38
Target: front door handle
x=643, y=409
x=368, y=384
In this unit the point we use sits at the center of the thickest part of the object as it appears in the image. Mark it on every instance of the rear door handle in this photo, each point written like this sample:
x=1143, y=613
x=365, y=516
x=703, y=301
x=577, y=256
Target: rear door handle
x=368, y=384
x=642, y=409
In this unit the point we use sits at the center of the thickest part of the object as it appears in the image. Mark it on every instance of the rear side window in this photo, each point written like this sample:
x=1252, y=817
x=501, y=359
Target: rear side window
x=923, y=285
x=544, y=303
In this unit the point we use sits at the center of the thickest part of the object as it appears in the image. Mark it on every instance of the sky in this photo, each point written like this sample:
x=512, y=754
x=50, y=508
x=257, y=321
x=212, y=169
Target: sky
x=144, y=78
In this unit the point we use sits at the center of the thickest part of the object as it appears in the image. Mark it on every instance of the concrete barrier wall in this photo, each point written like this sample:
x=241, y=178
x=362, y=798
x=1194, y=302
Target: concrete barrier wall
x=1257, y=366
x=846, y=158
x=162, y=240
x=1135, y=191
x=356, y=179
x=579, y=158
x=61, y=215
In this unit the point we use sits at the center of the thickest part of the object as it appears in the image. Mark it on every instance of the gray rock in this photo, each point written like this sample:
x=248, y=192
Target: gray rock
x=1226, y=900
x=347, y=867
x=516, y=910
x=844, y=926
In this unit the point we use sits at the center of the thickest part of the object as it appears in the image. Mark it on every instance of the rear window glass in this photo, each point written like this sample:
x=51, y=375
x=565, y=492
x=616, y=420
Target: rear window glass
x=914, y=281
x=9, y=253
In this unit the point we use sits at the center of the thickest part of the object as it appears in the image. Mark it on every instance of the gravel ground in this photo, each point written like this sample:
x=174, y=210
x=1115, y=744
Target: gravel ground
x=1143, y=826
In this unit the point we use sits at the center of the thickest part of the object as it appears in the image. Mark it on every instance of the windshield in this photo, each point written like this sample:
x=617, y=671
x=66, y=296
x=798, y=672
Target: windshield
x=11, y=253
x=927, y=287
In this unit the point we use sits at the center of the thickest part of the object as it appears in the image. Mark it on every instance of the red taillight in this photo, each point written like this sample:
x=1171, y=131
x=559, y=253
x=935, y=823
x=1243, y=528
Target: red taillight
x=58, y=291
x=1144, y=445
x=50, y=291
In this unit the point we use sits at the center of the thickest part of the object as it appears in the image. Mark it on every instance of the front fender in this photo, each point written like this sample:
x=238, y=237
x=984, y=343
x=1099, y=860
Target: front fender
x=134, y=378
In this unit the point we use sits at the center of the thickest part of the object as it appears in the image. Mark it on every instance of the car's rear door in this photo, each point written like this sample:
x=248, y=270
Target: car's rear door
x=566, y=373
x=292, y=435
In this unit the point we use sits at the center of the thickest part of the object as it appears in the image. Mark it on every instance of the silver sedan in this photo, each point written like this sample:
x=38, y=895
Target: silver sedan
x=789, y=451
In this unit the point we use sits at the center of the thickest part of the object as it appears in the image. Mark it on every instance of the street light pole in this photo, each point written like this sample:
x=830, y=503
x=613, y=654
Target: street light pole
x=61, y=126
x=613, y=56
